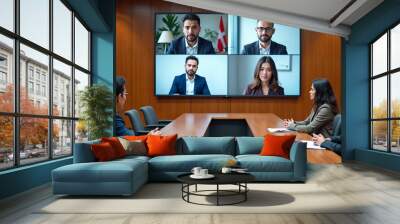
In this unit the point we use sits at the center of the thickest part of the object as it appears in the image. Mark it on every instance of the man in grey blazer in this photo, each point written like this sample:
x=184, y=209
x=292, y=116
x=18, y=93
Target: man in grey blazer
x=265, y=30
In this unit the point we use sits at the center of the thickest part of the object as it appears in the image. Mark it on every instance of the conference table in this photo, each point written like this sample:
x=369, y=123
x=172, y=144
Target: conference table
x=197, y=124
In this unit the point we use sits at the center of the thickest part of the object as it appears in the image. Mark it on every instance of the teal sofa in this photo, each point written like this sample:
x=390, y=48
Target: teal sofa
x=125, y=176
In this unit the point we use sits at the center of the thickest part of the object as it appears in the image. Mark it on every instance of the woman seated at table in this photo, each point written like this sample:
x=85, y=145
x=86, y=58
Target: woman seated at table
x=265, y=81
x=324, y=109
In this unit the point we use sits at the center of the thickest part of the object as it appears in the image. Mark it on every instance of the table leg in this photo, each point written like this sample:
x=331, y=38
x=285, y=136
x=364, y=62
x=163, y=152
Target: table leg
x=217, y=194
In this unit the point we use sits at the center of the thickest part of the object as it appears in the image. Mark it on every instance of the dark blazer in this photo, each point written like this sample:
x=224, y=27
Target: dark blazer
x=335, y=144
x=179, y=85
x=259, y=92
x=120, y=127
x=254, y=48
x=178, y=46
x=319, y=121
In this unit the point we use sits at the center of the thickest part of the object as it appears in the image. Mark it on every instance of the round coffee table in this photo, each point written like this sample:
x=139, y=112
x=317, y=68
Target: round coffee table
x=238, y=179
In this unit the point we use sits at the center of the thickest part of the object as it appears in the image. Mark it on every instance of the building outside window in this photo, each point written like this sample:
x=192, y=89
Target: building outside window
x=34, y=74
x=385, y=94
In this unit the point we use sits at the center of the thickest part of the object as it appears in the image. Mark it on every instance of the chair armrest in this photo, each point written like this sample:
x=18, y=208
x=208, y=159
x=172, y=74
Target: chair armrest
x=165, y=122
x=83, y=152
x=152, y=126
x=298, y=155
x=141, y=132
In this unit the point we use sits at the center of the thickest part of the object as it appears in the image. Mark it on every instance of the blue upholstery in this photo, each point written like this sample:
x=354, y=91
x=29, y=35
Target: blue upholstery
x=118, y=177
x=249, y=145
x=208, y=145
x=257, y=163
x=184, y=163
x=83, y=152
x=125, y=176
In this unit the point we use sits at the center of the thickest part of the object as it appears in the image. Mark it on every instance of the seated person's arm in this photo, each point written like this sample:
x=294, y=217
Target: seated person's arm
x=323, y=117
x=334, y=144
x=121, y=130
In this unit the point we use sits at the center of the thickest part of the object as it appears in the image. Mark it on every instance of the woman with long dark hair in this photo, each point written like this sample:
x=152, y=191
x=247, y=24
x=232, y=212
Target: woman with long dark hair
x=265, y=82
x=324, y=110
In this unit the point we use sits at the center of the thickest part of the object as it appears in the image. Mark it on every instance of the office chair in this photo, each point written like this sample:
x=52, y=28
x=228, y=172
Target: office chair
x=336, y=126
x=151, y=119
x=136, y=123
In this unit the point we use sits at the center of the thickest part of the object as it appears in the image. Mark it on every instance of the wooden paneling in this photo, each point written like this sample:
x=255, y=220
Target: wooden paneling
x=321, y=58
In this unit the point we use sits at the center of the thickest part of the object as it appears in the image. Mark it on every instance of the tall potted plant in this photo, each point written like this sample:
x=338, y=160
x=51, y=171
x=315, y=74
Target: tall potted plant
x=96, y=104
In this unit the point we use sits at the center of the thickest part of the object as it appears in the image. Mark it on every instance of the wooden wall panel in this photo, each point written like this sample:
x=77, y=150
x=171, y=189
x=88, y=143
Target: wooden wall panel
x=321, y=58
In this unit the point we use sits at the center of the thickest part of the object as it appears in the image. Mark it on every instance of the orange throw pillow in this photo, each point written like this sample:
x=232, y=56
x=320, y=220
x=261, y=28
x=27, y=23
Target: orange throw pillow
x=159, y=145
x=103, y=152
x=277, y=145
x=116, y=145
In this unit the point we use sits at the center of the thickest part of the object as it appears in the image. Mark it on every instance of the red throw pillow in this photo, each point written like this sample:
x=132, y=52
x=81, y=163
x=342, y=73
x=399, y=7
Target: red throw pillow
x=116, y=145
x=103, y=152
x=277, y=145
x=159, y=145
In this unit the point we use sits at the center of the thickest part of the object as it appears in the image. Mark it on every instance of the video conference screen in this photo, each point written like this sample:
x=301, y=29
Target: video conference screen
x=225, y=55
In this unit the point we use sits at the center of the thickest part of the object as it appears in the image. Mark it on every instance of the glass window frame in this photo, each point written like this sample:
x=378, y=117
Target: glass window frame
x=388, y=74
x=16, y=114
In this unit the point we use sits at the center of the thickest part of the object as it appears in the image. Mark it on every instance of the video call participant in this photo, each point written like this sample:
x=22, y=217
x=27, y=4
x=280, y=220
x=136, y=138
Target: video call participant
x=120, y=99
x=191, y=43
x=190, y=83
x=265, y=81
x=265, y=30
x=320, y=120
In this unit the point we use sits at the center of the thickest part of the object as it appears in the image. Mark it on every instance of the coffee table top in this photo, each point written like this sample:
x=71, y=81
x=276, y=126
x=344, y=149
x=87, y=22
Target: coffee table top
x=220, y=178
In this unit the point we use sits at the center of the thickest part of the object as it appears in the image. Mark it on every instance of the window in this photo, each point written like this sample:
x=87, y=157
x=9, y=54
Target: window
x=81, y=45
x=30, y=87
x=34, y=21
x=45, y=131
x=7, y=14
x=3, y=78
x=385, y=94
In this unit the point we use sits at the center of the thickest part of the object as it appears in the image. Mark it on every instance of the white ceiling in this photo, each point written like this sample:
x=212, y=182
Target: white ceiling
x=316, y=15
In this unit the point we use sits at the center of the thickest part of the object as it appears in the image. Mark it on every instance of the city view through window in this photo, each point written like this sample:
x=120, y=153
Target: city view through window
x=385, y=94
x=39, y=113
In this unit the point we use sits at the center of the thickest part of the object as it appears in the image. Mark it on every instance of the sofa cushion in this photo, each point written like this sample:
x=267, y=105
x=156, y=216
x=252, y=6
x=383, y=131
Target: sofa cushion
x=83, y=152
x=116, y=145
x=257, y=163
x=159, y=145
x=249, y=145
x=277, y=145
x=208, y=145
x=136, y=147
x=103, y=152
x=185, y=163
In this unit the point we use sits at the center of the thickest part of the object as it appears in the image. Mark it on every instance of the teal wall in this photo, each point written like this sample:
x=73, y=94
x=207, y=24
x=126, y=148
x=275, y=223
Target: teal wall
x=356, y=85
x=99, y=15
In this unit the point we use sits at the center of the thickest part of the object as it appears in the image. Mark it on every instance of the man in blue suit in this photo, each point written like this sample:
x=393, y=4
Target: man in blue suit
x=264, y=45
x=191, y=43
x=190, y=83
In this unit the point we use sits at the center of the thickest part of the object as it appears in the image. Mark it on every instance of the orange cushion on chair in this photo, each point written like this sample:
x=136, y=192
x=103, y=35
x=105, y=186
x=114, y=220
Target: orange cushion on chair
x=103, y=152
x=116, y=145
x=159, y=145
x=277, y=145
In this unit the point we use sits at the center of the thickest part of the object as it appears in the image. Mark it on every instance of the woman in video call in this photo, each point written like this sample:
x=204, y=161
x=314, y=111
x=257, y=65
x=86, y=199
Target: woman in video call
x=265, y=81
x=325, y=108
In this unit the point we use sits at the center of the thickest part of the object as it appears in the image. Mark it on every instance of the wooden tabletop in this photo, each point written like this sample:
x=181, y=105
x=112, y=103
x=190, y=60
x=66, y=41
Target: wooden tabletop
x=196, y=124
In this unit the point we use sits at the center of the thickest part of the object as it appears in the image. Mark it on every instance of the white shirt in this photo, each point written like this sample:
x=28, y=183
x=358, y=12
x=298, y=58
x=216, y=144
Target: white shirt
x=192, y=50
x=264, y=50
x=190, y=85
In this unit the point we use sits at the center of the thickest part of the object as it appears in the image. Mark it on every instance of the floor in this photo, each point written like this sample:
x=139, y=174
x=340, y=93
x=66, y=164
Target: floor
x=379, y=189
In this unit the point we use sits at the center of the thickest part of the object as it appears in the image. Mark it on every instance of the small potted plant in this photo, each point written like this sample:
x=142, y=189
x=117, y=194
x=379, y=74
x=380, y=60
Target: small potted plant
x=96, y=103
